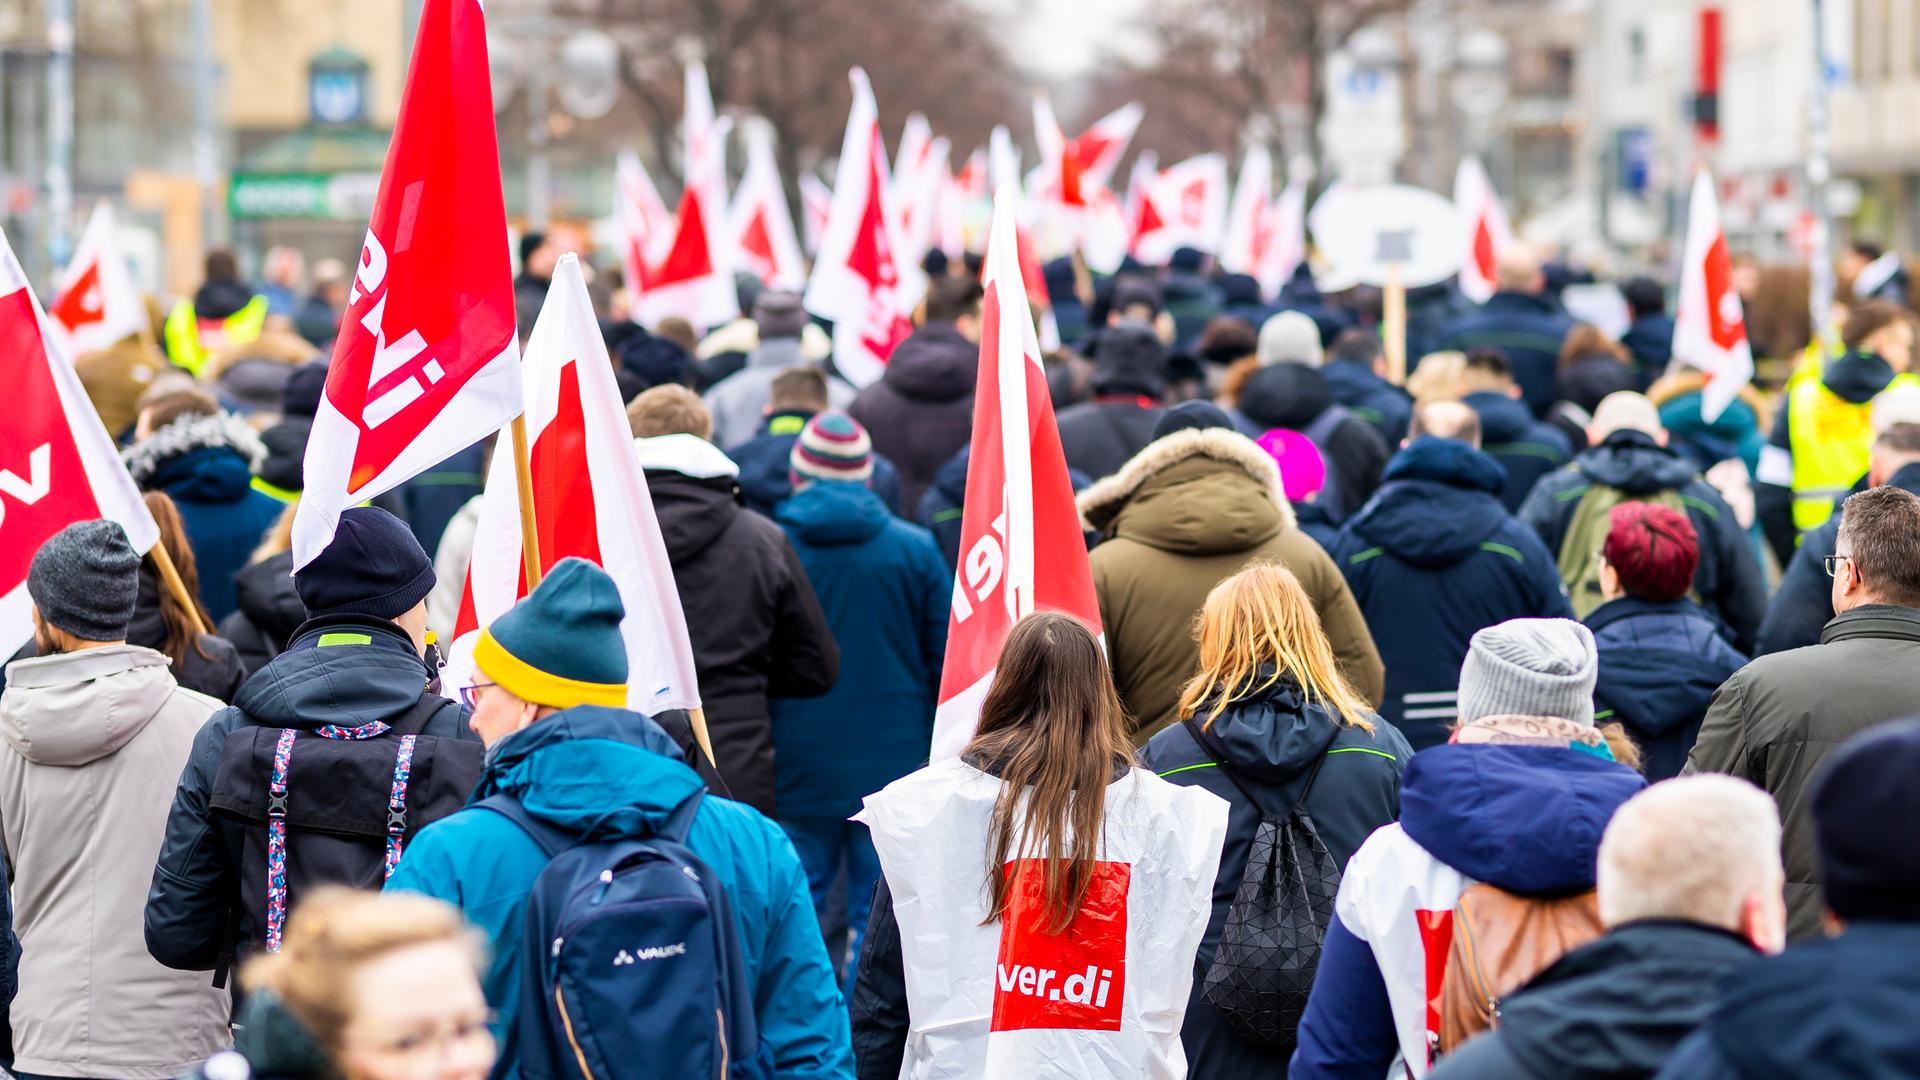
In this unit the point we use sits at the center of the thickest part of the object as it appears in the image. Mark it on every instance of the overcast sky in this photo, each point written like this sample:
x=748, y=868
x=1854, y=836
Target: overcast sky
x=1061, y=39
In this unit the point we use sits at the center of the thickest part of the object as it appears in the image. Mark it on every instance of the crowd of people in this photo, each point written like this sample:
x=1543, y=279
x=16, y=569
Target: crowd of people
x=1527, y=720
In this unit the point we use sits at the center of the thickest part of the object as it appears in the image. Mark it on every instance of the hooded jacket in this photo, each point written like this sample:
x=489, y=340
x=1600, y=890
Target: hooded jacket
x=1803, y=605
x=1526, y=448
x=1735, y=433
x=920, y=412
x=1097, y=437
x=1858, y=378
x=1527, y=819
x=270, y=611
x=205, y=463
x=605, y=773
x=1271, y=739
x=1650, y=339
x=756, y=628
x=94, y=743
x=766, y=467
x=320, y=679
x=1830, y=1008
x=738, y=401
x=885, y=591
x=1369, y=397
x=213, y=668
x=1298, y=398
x=1776, y=720
x=1529, y=328
x=1432, y=558
x=1659, y=666
x=1728, y=579
x=1613, y=1009
x=1190, y=511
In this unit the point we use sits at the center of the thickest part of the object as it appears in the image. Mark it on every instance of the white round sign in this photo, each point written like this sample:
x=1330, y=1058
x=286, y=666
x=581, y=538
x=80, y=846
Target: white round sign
x=1360, y=231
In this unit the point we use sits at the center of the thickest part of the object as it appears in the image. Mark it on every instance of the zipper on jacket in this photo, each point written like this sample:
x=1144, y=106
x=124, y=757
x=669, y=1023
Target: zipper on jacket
x=1472, y=957
x=721, y=1017
x=560, y=999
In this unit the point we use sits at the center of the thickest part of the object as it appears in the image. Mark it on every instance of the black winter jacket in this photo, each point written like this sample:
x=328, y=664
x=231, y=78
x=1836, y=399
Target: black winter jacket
x=1526, y=448
x=1099, y=436
x=757, y=629
x=270, y=611
x=1271, y=740
x=196, y=889
x=920, y=412
x=1529, y=328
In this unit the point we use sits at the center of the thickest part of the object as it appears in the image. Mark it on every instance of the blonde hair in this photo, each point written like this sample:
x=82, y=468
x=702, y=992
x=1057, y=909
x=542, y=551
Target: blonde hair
x=669, y=409
x=1258, y=617
x=331, y=934
x=1440, y=376
x=279, y=538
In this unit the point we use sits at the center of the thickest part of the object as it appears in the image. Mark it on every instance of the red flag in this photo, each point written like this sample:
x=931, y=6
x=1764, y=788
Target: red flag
x=58, y=465
x=1709, y=326
x=693, y=277
x=425, y=361
x=98, y=304
x=1487, y=229
x=1021, y=549
x=590, y=500
x=762, y=227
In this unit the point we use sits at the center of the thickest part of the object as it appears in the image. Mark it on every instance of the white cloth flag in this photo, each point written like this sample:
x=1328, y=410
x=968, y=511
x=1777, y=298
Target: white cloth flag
x=1487, y=231
x=1244, y=241
x=590, y=501
x=764, y=240
x=98, y=303
x=1709, y=326
x=693, y=278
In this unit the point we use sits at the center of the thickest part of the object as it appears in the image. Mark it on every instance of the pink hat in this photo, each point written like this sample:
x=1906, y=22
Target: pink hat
x=1303, y=472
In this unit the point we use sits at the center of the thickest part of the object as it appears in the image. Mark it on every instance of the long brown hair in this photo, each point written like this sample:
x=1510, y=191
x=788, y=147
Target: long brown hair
x=1586, y=339
x=1053, y=728
x=181, y=635
x=1261, y=618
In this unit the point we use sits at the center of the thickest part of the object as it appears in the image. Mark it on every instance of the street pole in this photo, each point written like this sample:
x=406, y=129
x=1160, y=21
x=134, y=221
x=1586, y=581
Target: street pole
x=539, y=168
x=1819, y=173
x=59, y=132
x=206, y=146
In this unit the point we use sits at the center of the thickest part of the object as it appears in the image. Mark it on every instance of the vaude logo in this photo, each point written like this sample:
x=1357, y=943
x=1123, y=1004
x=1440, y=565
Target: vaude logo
x=656, y=952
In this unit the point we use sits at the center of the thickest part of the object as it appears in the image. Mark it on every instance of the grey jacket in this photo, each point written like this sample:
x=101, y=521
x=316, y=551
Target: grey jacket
x=1776, y=720
x=94, y=743
x=738, y=402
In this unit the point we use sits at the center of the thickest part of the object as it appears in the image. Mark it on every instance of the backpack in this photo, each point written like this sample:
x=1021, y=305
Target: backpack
x=1269, y=949
x=1579, y=557
x=1500, y=942
x=332, y=805
x=631, y=964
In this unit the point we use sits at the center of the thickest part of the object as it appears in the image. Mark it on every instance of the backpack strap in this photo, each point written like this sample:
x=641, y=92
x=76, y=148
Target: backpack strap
x=551, y=839
x=679, y=822
x=397, y=804
x=1206, y=747
x=277, y=839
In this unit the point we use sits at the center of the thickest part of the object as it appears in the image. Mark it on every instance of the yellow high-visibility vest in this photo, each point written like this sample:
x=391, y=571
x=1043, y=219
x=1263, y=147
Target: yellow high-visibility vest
x=1832, y=443
x=191, y=339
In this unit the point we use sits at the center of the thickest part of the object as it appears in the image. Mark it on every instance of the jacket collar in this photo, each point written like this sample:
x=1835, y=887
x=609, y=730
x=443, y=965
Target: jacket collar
x=1630, y=607
x=1873, y=621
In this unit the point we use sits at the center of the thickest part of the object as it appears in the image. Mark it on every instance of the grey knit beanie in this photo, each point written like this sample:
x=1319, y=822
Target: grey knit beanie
x=1530, y=667
x=84, y=580
x=1290, y=337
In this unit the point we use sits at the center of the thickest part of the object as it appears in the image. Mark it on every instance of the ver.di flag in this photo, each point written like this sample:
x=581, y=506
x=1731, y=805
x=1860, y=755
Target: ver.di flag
x=58, y=465
x=425, y=364
x=1487, y=230
x=693, y=276
x=1709, y=327
x=645, y=223
x=97, y=303
x=1021, y=548
x=764, y=240
x=590, y=500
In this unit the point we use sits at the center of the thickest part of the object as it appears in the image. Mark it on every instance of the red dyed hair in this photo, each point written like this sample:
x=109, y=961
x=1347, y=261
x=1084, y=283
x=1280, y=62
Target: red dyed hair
x=1654, y=550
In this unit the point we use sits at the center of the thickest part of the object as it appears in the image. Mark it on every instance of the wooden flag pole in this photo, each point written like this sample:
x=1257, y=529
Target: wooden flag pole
x=170, y=574
x=1393, y=324
x=529, y=526
x=697, y=719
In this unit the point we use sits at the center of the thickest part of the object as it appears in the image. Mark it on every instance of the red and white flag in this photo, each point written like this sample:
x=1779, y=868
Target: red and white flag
x=762, y=228
x=590, y=500
x=1021, y=548
x=1097, y=151
x=1190, y=200
x=58, y=465
x=1709, y=326
x=426, y=361
x=1487, y=231
x=1141, y=206
x=98, y=304
x=860, y=281
x=816, y=203
x=1074, y=168
x=1245, y=239
x=920, y=204
x=916, y=143
x=1286, y=238
x=693, y=277
x=646, y=225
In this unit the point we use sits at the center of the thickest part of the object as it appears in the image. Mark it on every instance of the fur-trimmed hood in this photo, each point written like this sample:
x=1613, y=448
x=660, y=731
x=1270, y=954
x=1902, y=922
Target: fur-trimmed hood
x=1195, y=491
x=189, y=433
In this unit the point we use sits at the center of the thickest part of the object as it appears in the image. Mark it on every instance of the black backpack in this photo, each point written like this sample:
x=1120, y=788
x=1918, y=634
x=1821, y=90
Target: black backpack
x=1270, y=947
x=332, y=806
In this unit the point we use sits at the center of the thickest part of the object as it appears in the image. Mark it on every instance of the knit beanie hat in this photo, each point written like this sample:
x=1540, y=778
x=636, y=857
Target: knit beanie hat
x=373, y=566
x=84, y=580
x=1290, y=338
x=1530, y=667
x=1191, y=416
x=778, y=314
x=561, y=646
x=833, y=446
x=1862, y=796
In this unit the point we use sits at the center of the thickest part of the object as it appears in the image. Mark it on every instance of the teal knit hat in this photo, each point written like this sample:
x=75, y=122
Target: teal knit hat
x=561, y=646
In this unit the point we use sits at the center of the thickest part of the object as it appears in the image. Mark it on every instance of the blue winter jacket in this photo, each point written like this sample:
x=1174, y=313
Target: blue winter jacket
x=885, y=590
x=1431, y=558
x=1370, y=397
x=1529, y=329
x=1527, y=819
x=610, y=772
x=1650, y=340
x=1526, y=448
x=766, y=474
x=1659, y=666
x=1838, y=1007
x=202, y=465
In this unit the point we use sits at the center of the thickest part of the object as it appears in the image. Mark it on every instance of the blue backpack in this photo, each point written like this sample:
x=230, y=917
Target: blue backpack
x=632, y=965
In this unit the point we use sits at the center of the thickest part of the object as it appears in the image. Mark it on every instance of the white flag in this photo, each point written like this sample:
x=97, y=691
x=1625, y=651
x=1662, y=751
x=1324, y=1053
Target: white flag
x=1244, y=241
x=1487, y=232
x=694, y=277
x=764, y=240
x=1190, y=199
x=1709, y=327
x=97, y=302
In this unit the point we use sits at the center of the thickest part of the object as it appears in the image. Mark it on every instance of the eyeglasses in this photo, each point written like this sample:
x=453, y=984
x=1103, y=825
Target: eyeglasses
x=470, y=695
x=1832, y=563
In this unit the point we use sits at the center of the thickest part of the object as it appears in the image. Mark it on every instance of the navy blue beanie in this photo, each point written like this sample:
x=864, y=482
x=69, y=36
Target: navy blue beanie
x=561, y=646
x=1191, y=415
x=374, y=566
x=1864, y=800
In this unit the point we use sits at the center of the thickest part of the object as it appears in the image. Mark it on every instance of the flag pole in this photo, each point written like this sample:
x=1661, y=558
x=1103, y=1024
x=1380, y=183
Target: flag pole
x=697, y=719
x=171, y=575
x=1393, y=325
x=529, y=526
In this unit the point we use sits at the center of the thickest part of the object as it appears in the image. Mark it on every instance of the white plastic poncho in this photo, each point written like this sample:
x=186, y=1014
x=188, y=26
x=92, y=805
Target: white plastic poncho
x=1105, y=997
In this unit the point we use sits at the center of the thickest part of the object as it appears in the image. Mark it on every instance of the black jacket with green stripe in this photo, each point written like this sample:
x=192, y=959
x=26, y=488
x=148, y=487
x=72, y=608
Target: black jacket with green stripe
x=1270, y=739
x=1728, y=581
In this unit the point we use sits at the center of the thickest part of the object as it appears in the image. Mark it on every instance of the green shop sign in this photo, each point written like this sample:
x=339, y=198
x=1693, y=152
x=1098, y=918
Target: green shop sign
x=311, y=196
